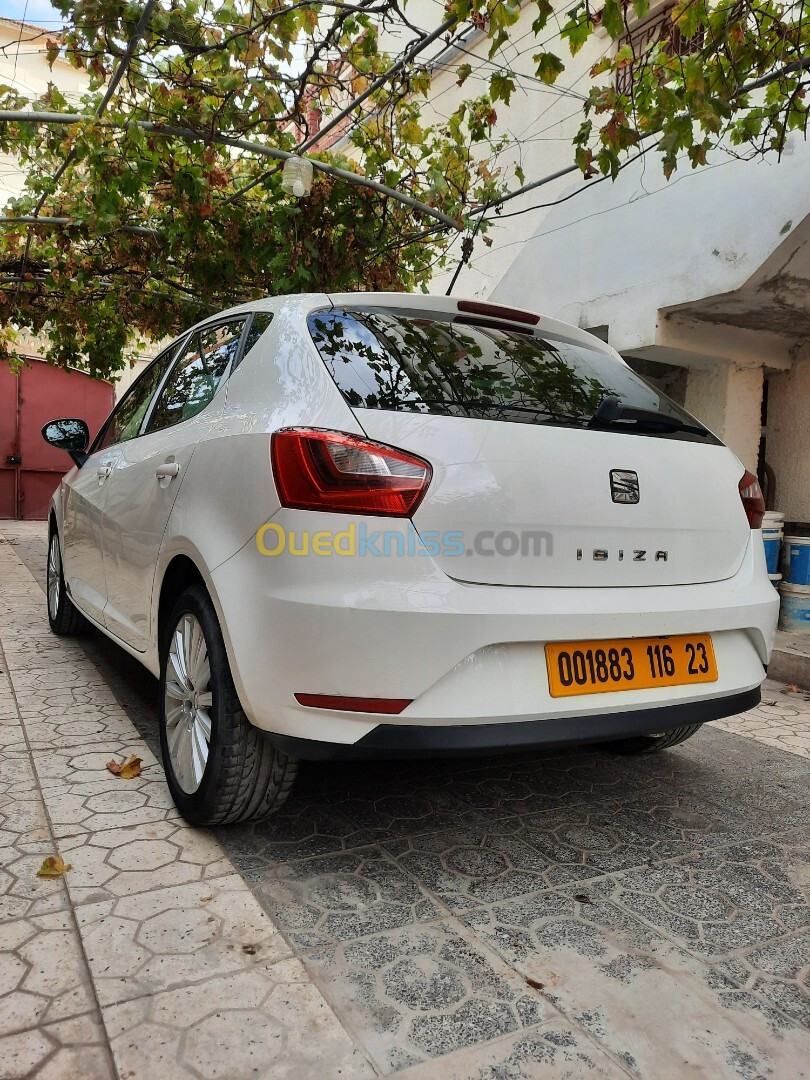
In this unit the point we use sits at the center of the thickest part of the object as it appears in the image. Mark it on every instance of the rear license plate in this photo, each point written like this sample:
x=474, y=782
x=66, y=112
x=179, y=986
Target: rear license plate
x=599, y=667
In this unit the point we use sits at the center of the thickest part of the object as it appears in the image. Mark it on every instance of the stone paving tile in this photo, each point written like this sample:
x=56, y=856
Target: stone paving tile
x=153, y=941
x=150, y=914
x=646, y=1002
x=43, y=975
x=776, y=722
x=73, y=1049
x=554, y=1051
x=24, y=842
x=122, y=861
x=415, y=994
x=766, y=785
x=302, y=828
x=234, y=1027
x=543, y=782
x=778, y=972
x=344, y=896
x=465, y=868
x=720, y=902
x=382, y=810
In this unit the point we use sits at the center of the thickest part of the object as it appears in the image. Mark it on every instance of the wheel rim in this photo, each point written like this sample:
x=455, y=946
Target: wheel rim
x=54, y=576
x=187, y=703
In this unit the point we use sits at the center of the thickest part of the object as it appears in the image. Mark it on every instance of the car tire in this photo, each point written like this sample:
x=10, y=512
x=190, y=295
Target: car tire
x=651, y=744
x=239, y=775
x=63, y=615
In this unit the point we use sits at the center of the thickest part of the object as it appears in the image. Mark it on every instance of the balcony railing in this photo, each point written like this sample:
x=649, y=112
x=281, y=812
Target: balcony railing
x=656, y=29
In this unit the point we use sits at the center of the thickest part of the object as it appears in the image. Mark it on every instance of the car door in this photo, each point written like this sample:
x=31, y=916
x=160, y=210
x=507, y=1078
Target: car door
x=87, y=489
x=147, y=477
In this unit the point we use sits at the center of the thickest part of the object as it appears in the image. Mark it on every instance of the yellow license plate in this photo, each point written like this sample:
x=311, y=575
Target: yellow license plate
x=599, y=667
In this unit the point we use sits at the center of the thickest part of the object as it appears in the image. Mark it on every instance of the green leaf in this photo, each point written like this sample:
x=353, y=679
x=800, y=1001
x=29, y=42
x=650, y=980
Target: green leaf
x=577, y=31
x=501, y=86
x=613, y=18
x=548, y=67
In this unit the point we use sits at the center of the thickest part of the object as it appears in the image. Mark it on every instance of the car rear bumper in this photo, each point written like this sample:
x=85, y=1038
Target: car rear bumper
x=465, y=656
x=412, y=740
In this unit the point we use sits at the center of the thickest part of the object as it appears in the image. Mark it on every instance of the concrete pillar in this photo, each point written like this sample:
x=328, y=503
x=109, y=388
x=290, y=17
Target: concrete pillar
x=728, y=399
x=743, y=427
x=787, y=442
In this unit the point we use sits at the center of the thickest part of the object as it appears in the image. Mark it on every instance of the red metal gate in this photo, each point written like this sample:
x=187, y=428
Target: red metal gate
x=30, y=470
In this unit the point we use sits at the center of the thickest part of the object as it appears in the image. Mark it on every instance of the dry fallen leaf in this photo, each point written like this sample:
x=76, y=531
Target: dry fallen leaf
x=54, y=866
x=534, y=984
x=127, y=770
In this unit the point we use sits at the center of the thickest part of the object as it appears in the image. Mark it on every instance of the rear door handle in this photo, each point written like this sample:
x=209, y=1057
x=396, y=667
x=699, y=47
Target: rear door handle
x=168, y=470
x=103, y=473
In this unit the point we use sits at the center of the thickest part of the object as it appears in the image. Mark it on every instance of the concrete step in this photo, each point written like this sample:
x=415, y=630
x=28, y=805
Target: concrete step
x=790, y=662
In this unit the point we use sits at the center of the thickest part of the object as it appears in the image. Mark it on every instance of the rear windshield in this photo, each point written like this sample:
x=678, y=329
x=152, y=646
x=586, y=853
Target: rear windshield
x=382, y=360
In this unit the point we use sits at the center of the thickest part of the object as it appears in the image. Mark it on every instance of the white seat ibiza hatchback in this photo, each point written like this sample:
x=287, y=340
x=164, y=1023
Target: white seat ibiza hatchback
x=389, y=525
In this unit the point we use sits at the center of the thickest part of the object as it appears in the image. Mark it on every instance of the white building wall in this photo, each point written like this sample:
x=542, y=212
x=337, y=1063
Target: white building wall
x=788, y=437
x=24, y=67
x=727, y=398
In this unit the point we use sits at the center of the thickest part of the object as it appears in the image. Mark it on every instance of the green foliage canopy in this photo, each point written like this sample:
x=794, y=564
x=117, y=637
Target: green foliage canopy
x=222, y=230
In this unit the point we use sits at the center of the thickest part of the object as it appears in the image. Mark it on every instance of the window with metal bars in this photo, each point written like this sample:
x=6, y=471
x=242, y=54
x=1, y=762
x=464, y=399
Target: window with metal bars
x=655, y=29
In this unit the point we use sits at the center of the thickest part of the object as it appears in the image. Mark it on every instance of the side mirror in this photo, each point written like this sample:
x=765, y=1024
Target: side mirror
x=72, y=436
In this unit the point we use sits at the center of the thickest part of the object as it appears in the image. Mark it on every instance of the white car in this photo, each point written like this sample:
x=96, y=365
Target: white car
x=391, y=525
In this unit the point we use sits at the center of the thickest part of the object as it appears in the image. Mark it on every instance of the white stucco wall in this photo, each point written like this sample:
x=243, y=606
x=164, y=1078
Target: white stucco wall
x=619, y=252
x=788, y=438
x=24, y=67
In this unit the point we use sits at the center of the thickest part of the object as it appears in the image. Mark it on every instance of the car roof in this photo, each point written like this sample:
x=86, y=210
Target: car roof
x=421, y=305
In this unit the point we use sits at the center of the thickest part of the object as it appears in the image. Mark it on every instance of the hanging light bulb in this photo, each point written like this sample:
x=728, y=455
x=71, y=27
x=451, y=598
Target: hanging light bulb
x=296, y=177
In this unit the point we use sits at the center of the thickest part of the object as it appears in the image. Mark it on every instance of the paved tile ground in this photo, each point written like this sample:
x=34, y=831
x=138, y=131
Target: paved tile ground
x=150, y=958
x=567, y=915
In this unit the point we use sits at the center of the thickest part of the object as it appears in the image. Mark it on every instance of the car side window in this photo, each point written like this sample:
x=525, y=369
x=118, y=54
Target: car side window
x=125, y=422
x=197, y=373
x=258, y=324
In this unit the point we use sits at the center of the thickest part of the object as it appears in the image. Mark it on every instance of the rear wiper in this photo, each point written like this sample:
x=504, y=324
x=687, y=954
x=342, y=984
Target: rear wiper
x=611, y=411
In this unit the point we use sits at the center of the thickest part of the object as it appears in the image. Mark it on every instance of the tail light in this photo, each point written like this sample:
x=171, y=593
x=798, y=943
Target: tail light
x=752, y=500
x=329, y=470
x=392, y=706
x=495, y=311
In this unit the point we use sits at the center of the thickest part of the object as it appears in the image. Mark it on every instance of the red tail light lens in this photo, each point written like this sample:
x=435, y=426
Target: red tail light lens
x=392, y=706
x=495, y=311
x=752, y=500
x=329, y=470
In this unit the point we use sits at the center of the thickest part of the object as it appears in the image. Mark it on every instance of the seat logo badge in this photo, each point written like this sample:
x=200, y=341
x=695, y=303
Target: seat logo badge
x=624, y=486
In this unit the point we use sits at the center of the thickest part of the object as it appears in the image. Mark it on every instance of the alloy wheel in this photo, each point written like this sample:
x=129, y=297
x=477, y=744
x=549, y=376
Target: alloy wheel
x=187, y=703
x=54, y=576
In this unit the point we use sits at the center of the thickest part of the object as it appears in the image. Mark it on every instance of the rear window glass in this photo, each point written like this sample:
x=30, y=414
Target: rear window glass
x=388, y=361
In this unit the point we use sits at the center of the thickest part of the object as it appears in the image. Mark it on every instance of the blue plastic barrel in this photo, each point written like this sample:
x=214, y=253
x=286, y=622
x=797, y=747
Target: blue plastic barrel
x=794, y=608
x=797, y=560
x=772, y=539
